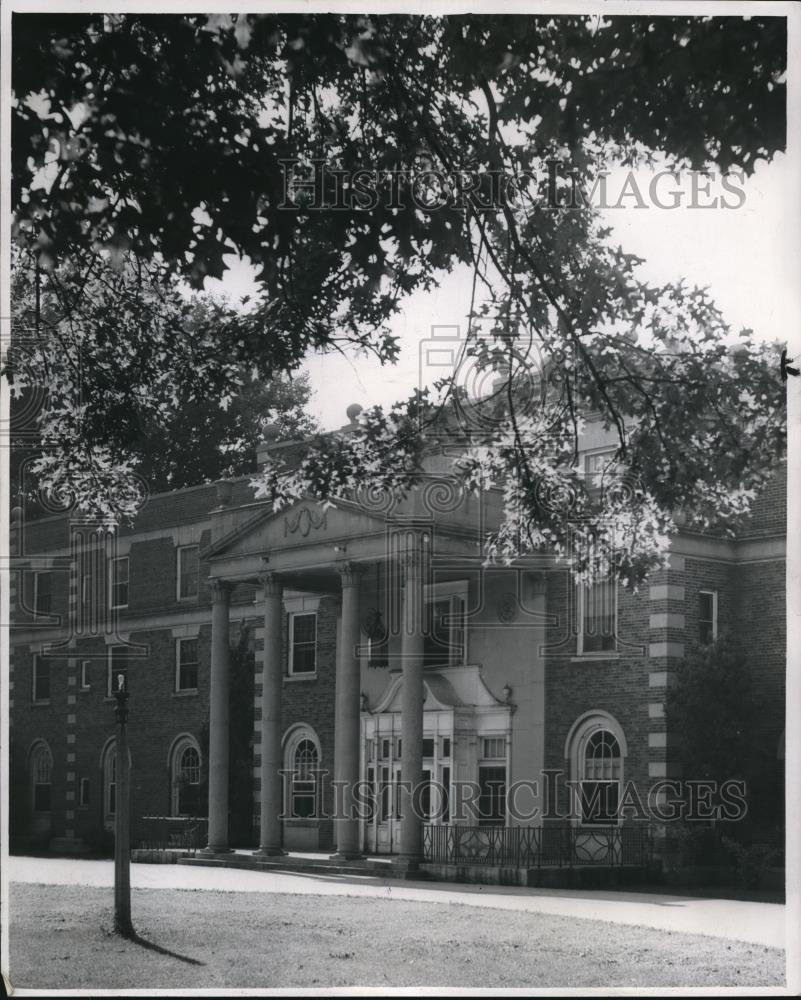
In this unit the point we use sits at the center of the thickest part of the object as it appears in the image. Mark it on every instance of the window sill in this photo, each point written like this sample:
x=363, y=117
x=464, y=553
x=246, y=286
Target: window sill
x=589, y=657
x=185, y=693
x=300, y=677
x=84, y=688
x=40, y=703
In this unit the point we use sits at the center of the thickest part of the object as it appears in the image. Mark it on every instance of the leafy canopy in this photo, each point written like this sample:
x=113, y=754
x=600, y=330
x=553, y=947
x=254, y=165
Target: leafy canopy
x=171, y=138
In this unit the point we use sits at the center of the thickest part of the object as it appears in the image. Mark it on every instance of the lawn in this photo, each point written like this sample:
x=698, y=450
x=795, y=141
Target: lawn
x=60, y=938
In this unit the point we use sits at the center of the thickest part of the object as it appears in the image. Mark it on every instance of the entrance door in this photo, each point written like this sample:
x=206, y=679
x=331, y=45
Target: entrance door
x=387, y=833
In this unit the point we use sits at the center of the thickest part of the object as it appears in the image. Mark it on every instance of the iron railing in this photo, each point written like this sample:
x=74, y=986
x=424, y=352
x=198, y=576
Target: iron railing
x=560, y=846
x=177, y=833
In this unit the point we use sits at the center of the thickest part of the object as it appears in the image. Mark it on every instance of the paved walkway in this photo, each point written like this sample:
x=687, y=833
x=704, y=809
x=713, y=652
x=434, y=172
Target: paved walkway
x=758, y=923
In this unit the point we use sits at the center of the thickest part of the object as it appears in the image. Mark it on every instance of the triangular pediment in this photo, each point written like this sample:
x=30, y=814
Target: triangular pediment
x=304, y=523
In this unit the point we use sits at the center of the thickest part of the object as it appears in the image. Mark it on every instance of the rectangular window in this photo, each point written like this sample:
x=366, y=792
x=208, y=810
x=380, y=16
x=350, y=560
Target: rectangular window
x=494, y=748
x=445, y=641
x=42, y=593
x=707, y=616
x=188, y=571
x=85, y=682
x=83, y=794
x=186, y=663
x=491, y=795
x=119, y=582
x=303, y=642
x=428, y=747
x=117, y=667
x=445, y=812
x=446, y=746
x=41, y=678
x=384, y=749
x=600, y=469
x=597, y=608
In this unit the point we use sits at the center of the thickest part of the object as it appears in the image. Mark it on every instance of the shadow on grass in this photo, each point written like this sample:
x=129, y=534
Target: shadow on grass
x=135, y=938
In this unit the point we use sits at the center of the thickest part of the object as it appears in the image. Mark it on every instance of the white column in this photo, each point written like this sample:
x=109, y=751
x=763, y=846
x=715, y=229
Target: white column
x=412, y=698
x=218, y=718
x=347, y=715
x=271, y=691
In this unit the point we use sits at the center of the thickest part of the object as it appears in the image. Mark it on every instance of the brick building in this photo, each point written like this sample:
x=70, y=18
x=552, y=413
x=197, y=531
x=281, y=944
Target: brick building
x=366, y=644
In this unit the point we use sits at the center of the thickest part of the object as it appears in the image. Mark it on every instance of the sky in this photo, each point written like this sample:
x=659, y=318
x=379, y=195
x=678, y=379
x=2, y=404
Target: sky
x=747, y=255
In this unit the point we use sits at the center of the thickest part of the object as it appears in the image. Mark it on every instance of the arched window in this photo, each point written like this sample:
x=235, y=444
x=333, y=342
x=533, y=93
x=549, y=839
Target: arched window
x=185, y=777
x=596, y=748
x=41, y=777
x=302, y=762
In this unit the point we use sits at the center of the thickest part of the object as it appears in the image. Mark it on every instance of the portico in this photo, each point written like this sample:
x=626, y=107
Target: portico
x=340, y=553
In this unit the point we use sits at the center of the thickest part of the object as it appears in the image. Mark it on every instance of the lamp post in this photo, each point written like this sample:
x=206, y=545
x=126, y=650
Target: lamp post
x=122, y=831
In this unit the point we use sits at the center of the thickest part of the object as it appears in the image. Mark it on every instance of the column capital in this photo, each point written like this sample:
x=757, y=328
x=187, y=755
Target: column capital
x=350, y=573
x=273, y=586
x=220, y=589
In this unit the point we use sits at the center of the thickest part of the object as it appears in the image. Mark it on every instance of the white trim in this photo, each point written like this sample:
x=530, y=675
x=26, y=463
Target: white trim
x=178, y=551
x=181, y=743
x=714, y=595
x=291, y=672
x=576, y=743
x=581, y=597
x=177, y=646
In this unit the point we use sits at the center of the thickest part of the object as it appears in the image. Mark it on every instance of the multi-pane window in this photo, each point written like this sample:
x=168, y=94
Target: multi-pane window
x=304, y=779
x=186, y=665
x=600, y=783
x=119, y=582
x=188, y=571
x=117, y=668
x=707, y=616
x=303, y=642
x=597, y=612
x=41, y=774
x=599, y=469
x=41, y=678
x=42, y=593
x=187, y=780
x=494, y=748
x=445, y=641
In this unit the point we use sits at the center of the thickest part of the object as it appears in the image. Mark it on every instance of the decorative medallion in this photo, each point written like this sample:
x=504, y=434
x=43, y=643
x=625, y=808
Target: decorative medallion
x=303, y=521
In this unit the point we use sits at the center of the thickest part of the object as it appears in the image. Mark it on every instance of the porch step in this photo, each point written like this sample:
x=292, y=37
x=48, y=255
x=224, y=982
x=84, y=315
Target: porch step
x=367, y=868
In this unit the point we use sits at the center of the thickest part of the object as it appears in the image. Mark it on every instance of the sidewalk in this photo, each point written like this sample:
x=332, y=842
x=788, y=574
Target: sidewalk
x=756, y=923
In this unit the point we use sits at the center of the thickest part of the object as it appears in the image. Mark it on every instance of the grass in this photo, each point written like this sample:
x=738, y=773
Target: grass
x=61, y=938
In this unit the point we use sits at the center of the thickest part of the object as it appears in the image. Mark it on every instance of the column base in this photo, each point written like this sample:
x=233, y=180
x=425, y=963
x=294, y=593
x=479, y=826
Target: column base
x=270, y=852
x=211, y=849
x=346, y=856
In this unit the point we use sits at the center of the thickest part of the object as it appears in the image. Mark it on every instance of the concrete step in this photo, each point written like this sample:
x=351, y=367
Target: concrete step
x=367, y=868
